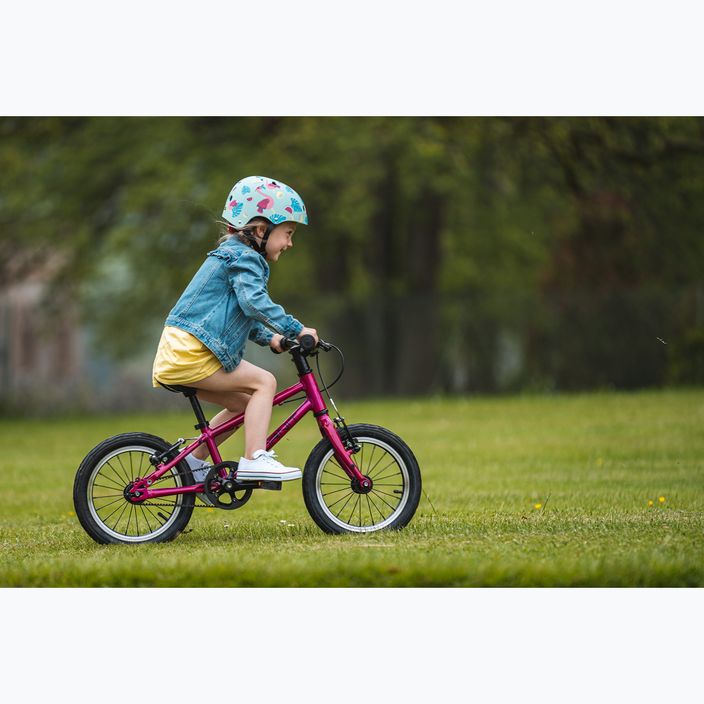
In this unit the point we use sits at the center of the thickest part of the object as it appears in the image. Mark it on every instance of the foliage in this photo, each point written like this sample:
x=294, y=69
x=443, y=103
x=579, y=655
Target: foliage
x=407, y=215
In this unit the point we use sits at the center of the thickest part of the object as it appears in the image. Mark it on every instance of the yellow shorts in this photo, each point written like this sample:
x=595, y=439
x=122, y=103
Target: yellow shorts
x=182, y=359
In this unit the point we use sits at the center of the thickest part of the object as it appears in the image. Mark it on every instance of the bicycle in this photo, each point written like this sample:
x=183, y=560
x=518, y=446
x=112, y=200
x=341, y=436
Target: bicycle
x=135, y=476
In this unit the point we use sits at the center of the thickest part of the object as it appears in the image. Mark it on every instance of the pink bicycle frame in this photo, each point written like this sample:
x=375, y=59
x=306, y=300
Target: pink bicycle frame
x=314, y=402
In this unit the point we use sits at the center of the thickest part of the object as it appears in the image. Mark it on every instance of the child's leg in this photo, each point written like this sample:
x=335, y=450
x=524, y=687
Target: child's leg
x=237, y=403
x=259, y=384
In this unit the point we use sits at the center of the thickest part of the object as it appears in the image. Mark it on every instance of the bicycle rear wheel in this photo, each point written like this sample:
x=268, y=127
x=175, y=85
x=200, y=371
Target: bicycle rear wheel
x=98, y=493
x=337, y=506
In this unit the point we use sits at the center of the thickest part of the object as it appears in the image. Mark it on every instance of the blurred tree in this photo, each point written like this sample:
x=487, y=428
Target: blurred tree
x=439, y=248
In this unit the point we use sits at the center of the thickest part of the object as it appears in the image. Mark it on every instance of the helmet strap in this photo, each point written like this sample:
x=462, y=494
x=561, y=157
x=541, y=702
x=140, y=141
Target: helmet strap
x=261, y=247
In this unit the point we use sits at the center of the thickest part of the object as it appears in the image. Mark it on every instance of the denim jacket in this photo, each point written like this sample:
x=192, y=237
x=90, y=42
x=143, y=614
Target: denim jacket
x=227, y=302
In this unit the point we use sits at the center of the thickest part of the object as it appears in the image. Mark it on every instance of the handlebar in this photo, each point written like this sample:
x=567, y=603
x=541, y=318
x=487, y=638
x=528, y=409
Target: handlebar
x=306, y=343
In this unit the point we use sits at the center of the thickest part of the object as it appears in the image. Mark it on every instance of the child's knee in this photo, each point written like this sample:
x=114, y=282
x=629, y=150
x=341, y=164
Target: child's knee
x=267, y=381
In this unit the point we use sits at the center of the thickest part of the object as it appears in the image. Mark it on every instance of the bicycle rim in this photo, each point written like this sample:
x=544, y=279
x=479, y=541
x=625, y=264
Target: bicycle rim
x=364, y=513
x=125, y=521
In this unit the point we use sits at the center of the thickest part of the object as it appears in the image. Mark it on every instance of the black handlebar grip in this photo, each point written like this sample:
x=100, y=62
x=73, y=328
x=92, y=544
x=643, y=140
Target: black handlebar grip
x=307, y=343
x=286, y=344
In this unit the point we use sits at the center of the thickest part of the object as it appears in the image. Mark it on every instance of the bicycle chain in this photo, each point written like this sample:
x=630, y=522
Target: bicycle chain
x=195, y=503
x=177, y=474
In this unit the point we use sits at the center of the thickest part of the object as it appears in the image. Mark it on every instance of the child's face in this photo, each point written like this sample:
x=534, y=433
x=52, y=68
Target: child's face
x=280, y=239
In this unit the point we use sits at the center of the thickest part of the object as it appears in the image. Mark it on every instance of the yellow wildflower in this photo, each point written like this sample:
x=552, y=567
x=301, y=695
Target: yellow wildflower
x=650, y=502
x=538, y=506
x=661, y=499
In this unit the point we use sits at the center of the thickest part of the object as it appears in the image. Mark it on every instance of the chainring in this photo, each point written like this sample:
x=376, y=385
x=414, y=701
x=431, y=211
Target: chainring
x=223, y=491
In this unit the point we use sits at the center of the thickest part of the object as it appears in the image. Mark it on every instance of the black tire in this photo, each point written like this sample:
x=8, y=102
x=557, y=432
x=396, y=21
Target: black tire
x=108, y=467
x=382, y=509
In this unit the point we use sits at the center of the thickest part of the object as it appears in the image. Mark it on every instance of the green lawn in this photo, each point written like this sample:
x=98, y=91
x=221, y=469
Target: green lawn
x=527, y=491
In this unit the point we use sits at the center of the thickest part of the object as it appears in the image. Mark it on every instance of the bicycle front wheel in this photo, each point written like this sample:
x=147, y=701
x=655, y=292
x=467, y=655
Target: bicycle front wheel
x=338, y=506
x=98, y=493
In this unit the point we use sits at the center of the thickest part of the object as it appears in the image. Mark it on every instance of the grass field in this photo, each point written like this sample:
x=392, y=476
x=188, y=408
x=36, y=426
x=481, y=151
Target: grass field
x=527, y=491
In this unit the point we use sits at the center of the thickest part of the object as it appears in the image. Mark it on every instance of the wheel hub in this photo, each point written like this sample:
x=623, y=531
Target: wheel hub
x=362, y=487
x=133, y=497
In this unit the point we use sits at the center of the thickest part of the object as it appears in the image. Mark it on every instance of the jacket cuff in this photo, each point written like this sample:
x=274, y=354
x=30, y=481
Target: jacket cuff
x=294, y=330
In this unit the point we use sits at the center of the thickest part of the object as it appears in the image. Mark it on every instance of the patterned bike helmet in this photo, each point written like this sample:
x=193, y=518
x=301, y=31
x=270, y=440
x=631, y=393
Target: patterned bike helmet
x=259, y=196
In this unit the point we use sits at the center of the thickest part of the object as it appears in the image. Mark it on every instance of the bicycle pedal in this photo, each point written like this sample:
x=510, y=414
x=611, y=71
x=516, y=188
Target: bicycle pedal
x=270, y=486
x=258, y=484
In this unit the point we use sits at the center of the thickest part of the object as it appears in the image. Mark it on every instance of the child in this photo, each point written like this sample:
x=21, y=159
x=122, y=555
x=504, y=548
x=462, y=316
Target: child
x=226, y=303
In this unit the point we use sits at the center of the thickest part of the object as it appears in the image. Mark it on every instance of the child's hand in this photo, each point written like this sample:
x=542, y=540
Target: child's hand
x=309, y=331
x=275, y=343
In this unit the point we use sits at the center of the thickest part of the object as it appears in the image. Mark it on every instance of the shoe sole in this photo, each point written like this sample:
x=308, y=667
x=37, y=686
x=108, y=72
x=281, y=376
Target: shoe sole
x=243, y=475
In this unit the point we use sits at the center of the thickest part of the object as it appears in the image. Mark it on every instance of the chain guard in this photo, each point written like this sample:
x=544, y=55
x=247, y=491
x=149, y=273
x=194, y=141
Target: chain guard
x=223, y=491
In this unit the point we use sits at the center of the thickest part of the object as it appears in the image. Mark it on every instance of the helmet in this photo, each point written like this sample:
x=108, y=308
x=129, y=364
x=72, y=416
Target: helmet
x=259, y=196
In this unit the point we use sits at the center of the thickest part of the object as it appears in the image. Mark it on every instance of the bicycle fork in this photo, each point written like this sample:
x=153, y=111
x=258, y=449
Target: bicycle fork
x=329, y=429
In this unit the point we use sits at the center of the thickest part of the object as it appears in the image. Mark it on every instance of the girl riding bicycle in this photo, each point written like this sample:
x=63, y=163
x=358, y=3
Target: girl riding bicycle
x=225, y=304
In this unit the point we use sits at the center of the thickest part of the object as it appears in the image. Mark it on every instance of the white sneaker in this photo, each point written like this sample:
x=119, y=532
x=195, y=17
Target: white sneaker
x=264, y=467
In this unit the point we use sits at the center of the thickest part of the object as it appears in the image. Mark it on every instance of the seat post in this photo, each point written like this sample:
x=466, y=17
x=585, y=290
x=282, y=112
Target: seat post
x=197, y=409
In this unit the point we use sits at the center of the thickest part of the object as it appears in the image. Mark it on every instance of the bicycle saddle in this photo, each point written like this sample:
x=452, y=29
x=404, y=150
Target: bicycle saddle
x=185, y=390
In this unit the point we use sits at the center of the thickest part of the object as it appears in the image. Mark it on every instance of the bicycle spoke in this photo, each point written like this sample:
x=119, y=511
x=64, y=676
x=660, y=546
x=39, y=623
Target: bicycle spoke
x=334, y=475
x=345, y=504
x=120, y=497
x=369, y=506
x=337, y=491
x=115, y=477
x=129, y=518
x=393, y=508
x=340, y=499
x=385, y=467
x=119, y=459
x=122, y=476
x=146, y=519
x=105, y=478
x=371, y=459
x=386, y=493
x=155, y=517
x=369, y=473
x=383, y=517
x=334, y=461
x=114, y=501
x=119, y=518
x=105, y=520
x=386, y=476
x=110, y=488
x=353, y=508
